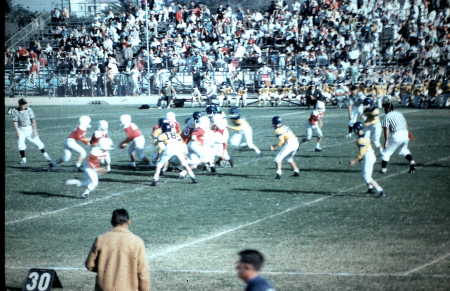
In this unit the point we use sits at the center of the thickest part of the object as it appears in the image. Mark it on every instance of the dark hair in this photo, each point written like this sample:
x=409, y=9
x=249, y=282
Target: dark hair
x=252, y=257
x=119, y=216
x=22, y=101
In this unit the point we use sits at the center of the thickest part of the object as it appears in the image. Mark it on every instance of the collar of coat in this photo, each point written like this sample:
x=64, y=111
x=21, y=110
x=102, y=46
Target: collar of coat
x=121, y=228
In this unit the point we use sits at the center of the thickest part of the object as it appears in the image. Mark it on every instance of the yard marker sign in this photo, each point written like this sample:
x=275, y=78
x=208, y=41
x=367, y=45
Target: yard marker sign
x=41, y=280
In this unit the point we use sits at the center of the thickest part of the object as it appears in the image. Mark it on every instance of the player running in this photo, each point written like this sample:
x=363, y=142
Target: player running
x=288, y=143
x=244, y=130
x=366, y=155
x=134, y=139
x=102, y=132
x=92, y=167
x=71, y=143
x=171, y=145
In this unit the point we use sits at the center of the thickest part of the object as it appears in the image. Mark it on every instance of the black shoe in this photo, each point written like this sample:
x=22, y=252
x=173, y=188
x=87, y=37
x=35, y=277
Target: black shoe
x=317, y=150
x=154, y=183
x=79, y=169
x=296, y=174
x=213, y=169
x=278, y=177
x=381, y=194
x=412, y=168
x=194, y=181
x=371, y=191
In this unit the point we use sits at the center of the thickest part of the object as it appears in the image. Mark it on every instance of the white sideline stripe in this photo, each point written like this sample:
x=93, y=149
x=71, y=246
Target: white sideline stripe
x=178, y=247
x=273, y=273
x=72, y=206
x=426, y=265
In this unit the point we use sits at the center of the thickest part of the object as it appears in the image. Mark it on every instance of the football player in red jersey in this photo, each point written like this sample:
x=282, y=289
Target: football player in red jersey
x=101, y=132
x=92, y=167
x=314, y=124
x=134, y=140
x=71, y=143
x=199, y=149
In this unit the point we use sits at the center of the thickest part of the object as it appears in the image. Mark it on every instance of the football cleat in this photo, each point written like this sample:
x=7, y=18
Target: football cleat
x=381, y=194
x=85, y=194
x=132, y=165
x=296, y=174
x=371, y=191
x=51, y=165
x=317, y=150
x=79, y=169
x=194, y=181
x=278, y=177
x=183, y=174
x=412, y=168
x=154, y=183
x=348, y=136
x=213, y=169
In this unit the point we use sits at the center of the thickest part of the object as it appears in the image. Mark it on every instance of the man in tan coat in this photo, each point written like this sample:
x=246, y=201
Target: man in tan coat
x=118, y=257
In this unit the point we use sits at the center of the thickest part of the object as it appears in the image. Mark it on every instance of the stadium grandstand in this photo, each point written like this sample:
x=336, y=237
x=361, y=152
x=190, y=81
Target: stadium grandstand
x=132, y=48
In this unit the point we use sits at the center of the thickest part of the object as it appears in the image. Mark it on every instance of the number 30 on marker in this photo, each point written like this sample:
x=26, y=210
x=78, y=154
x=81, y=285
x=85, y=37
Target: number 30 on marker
x=41, y=280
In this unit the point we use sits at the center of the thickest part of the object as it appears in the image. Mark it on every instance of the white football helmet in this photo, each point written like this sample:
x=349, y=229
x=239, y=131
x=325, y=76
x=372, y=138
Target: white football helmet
x=204, y=122
x=315, y=112
x=105, y=144
x=85, y=121
x=125, y=119
x=103, y=125
x=171, y=116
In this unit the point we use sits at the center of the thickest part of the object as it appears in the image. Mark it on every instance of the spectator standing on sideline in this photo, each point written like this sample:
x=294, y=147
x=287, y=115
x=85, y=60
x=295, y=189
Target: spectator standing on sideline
x=167, y=93
x=118, y=257
x=248, y=267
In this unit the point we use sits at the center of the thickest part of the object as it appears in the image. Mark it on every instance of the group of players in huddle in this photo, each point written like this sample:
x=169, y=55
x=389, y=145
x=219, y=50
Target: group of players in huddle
x=204, y=140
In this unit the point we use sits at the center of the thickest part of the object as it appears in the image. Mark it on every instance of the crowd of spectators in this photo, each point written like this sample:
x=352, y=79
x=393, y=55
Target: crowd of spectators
x=328, y=40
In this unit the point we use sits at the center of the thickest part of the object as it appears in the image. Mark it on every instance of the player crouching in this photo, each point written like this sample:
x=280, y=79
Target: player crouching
x=289, y=146
x=171, y=146
x=92, y=167
x=367, y=156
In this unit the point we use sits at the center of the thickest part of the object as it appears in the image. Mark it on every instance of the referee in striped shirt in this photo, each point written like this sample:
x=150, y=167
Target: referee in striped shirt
x=395, y=129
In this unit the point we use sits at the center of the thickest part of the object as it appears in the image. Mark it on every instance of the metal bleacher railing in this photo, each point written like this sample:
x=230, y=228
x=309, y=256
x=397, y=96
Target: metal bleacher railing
x=33, y=28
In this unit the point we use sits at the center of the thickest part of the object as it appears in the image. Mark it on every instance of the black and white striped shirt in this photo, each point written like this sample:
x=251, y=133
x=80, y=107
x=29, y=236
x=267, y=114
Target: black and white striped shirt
x=24, y=118
x=395, y=121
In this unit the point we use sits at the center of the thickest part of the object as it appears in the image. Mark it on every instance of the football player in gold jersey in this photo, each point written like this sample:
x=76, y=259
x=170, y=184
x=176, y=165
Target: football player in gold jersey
x=366, y=155
x=289, y=144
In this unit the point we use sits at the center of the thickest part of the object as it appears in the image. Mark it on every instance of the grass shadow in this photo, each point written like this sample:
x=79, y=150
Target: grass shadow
x=47, y=195
x=303, y=192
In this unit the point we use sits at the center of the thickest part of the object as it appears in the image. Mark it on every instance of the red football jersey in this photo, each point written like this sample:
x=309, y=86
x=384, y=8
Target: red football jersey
x=78, y=134
x=199, y=135
x=132, y=131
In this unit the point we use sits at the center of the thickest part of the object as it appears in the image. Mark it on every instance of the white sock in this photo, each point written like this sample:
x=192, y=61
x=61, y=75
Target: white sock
x=74, y=182
x=78, y=164
x=47, y=156
x=279, y=172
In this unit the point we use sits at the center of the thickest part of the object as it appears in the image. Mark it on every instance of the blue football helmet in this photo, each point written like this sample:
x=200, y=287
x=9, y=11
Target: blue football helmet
x=358, y=127
x=166, y=127
x=276, y=120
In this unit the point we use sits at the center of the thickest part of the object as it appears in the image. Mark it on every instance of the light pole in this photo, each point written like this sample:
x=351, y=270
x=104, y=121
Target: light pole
x=148, y=50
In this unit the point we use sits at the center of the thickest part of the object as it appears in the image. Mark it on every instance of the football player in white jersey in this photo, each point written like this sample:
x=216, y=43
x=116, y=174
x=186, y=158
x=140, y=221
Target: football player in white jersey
x=92, y=167
x=25, y=124
x=355, y=110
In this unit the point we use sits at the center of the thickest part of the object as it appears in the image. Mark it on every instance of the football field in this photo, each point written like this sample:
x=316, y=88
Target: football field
x=318, y=231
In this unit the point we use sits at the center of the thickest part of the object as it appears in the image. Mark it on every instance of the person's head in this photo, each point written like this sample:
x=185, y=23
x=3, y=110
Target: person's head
x=23, y=104
x=249, y=264
x=120, y=217
x=387, y=105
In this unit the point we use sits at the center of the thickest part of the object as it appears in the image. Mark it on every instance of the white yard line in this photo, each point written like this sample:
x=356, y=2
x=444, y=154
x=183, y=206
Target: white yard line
x=90, y=201
x=178, y=247
x=416, y=269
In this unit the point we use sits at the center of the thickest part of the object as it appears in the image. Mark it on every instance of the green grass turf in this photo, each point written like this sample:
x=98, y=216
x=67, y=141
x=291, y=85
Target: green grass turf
x=319, y=231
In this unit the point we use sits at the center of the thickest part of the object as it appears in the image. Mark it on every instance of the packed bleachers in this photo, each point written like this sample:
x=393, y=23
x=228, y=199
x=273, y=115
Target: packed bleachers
x=397, y=44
